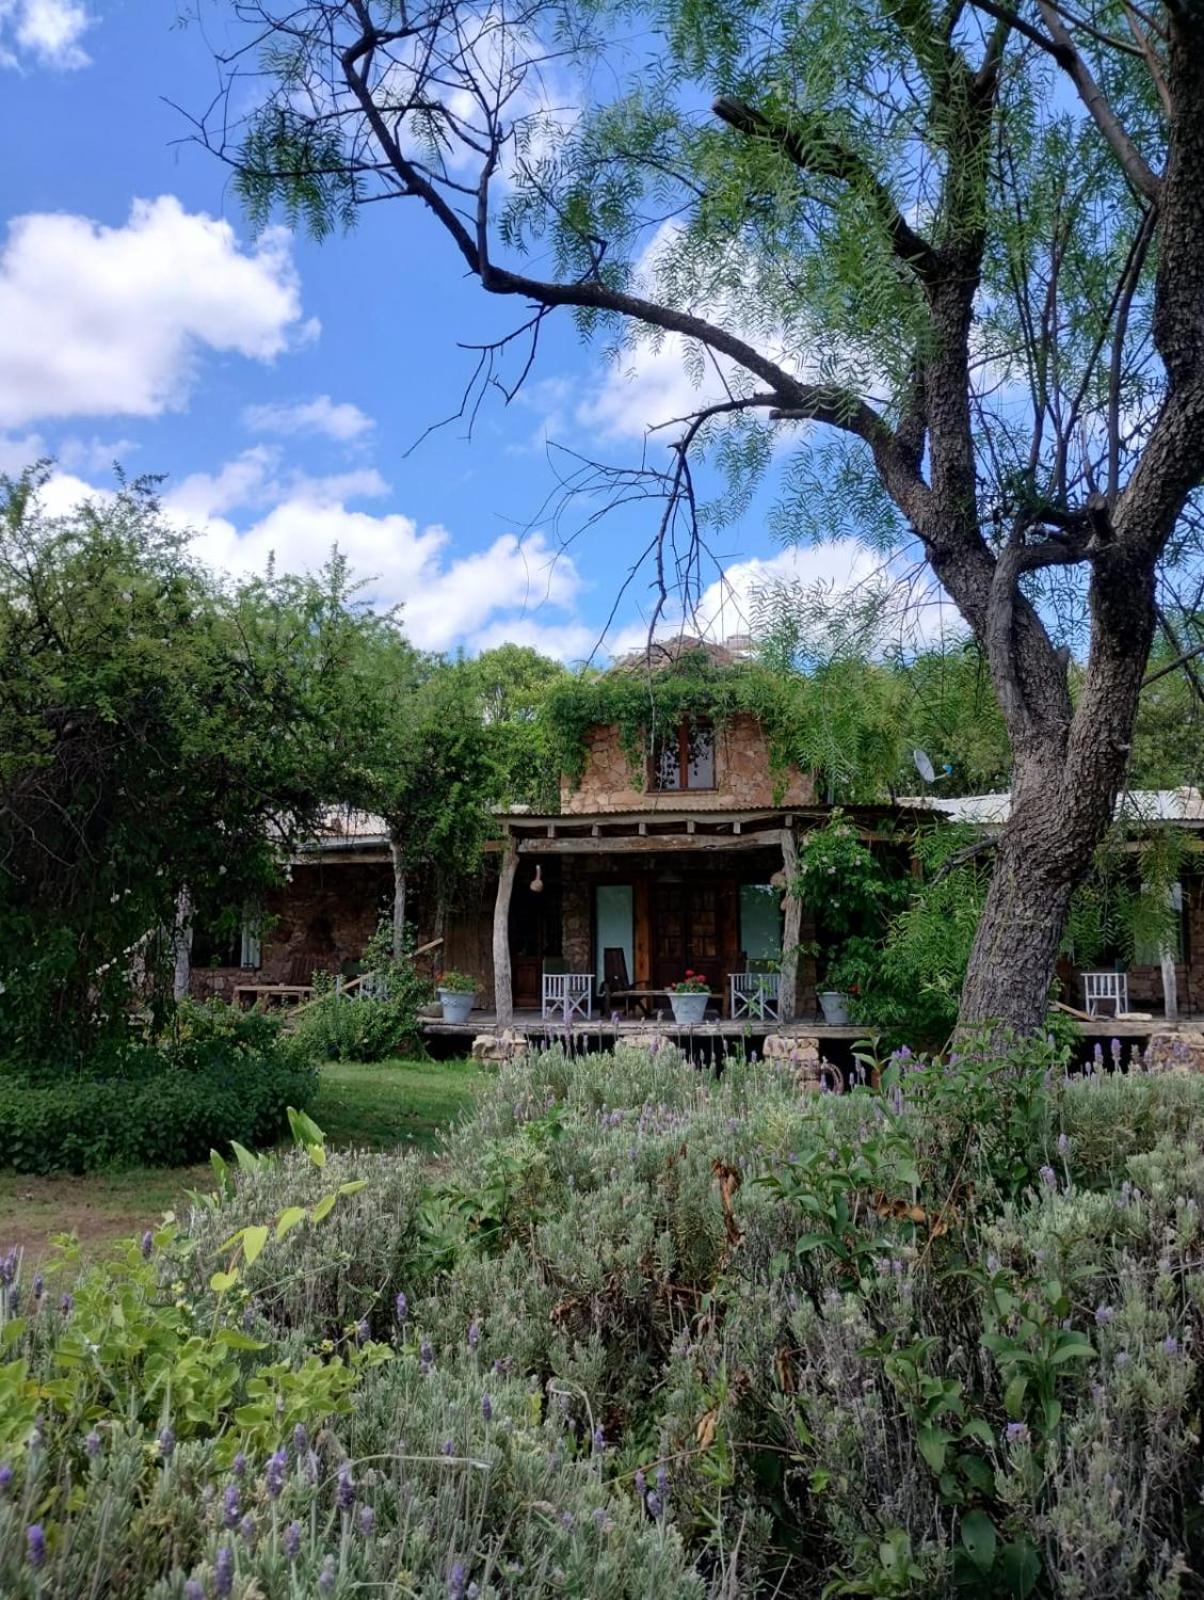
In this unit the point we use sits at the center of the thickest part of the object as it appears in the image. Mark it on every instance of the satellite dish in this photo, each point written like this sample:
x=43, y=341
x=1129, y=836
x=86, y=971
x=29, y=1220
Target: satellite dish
x=924, y=766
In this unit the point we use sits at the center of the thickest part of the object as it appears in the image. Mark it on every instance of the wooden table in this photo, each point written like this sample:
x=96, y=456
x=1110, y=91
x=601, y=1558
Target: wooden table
x=281, y=993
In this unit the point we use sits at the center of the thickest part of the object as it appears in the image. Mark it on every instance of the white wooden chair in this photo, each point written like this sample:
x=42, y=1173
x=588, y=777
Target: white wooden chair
x=755, y=994
x=568, y=995
x=1106, y=986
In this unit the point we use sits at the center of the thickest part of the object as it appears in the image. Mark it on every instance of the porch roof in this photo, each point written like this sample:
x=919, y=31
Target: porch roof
x=598, y=832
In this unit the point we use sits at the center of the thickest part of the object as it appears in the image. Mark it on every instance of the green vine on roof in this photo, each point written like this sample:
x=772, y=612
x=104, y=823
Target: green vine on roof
x=643, y=701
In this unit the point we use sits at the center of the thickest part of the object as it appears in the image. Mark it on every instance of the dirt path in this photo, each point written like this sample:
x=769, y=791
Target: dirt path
x=98, y=1208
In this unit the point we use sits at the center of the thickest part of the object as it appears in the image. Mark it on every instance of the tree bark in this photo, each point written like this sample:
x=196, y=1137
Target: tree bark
x=503, y=988
x=181, y=941
x=399, y=899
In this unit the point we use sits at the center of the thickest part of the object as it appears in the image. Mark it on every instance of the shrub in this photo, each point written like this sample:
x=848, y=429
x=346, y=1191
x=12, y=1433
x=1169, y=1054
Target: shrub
x=374, y=1022
x=645, y=1332
x=218, y=1080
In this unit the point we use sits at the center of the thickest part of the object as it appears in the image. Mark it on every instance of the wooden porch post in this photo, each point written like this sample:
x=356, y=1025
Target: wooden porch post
x=503, y=989
x=791, y=930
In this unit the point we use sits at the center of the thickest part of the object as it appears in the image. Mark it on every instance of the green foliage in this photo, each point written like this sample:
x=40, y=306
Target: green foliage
x=218, y=1080
x=125, y=665
x=643, y=702
x=647, y=1333
x=378, y=1019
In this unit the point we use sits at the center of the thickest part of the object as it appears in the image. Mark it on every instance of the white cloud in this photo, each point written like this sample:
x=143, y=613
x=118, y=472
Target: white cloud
x=94, y=455
x=46, y=32
x=111, y=321
x=17, y=454
x=341, y=421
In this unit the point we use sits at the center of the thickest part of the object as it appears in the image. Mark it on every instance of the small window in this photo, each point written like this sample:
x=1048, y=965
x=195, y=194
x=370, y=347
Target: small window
x=683, y=759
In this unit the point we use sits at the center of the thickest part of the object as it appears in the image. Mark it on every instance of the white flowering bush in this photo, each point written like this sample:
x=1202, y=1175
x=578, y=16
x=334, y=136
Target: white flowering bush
x=642, y=1331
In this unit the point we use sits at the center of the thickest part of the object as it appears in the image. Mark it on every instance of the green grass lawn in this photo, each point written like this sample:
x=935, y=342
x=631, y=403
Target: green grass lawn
x=390, y=1103
x=379, y=1106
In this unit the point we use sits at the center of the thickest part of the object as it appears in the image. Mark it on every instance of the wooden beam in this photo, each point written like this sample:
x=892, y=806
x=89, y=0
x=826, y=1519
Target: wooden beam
x=503, y=988
x=649, y=843
x=791, y=930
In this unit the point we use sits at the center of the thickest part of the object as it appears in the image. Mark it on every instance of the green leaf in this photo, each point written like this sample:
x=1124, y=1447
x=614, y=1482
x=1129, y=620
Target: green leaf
x=253, y=1241
x=235, y=1339
x=811, y=1241
x=977, y=1473
x=223, y=1282
x=1019, y=1568
x=354, y=1186
x=978, y=1428
x=978, y=1536
x=289, y=1218
x=1075, y=1348
x=933, y=1443
x=1013, y=1398
x=324, y=1207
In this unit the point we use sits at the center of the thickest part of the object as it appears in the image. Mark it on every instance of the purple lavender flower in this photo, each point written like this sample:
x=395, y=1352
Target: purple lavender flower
x=239, y=1465
x=167, y=1442
x=1170, y=1345
x=1049, y=1177
x=449, y=1447
x=487, y=1408
x=345, y=1493
x=300, y=1439
x=247, y=1528
x=39, y=1286
x=1104, y=1315
x=457, y=1582
x=426, y=1355
x=67, y=1303
x=599, y=1441
x=1063, y=1144
x=312, y=1469
x=1016, y=1433
x=367, y=1521
x=1121, y=1359
x=223, y=1572
x=401, y=1306
x=567, y=1520
x=362, y=1331
x=92, y=1444
x=656, y=1506
x=194, y=1590
x=275, y=1473
x=6, y=1477
x=326, y=1576
x=148, y=1245
x=641, y=1482
x=232, y=1508
x=474, y=1334
x=14, y=1299
x=292, y=1541
x=8, y=1268
x=35, y=1541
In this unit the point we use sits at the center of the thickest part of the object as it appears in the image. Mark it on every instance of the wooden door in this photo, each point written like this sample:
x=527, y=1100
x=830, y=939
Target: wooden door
x=688, y=932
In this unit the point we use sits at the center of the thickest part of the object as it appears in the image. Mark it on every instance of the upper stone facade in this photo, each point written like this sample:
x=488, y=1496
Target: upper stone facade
x=743, y=777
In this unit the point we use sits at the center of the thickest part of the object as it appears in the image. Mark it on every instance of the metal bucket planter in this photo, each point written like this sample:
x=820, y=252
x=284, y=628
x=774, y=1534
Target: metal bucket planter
x=456, y=1003
x=835, y=1007
x=689, y=1009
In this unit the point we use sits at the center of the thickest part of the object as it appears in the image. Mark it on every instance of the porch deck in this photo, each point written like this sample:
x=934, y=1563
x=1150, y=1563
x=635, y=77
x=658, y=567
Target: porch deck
x=533, y=1025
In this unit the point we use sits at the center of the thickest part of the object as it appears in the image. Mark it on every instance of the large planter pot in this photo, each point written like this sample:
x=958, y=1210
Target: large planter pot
x=835, y=1007
x=689, y=1009
x=456, y=1003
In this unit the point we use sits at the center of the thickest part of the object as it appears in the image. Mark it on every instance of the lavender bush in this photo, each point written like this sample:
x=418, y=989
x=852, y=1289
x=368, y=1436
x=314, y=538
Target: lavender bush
x=648, y=1333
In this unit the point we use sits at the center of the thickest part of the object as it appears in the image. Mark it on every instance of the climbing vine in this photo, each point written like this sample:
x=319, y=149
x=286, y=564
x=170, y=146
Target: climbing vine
x=642, y=702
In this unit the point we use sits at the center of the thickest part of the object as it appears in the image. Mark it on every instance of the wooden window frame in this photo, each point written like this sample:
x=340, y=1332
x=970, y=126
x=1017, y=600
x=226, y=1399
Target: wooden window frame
x=684, y=786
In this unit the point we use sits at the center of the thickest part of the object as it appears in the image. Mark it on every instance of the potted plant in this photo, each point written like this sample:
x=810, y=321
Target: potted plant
x=456, y=991
x=688, y=997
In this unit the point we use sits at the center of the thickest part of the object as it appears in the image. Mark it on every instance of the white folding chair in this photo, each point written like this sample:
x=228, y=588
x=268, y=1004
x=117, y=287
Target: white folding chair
x=1113, y=986
x=755, y=994
x=568, y=995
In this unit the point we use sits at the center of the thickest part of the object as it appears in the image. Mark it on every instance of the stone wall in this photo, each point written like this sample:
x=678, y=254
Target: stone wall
x=323, y=917
x=743, y=779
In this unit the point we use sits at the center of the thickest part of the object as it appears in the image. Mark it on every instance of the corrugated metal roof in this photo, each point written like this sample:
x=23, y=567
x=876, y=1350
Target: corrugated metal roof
x=1184, y=805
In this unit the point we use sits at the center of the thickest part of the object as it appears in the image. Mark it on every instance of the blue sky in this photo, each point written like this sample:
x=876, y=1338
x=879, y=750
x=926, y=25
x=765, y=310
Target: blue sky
x=279, y=383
